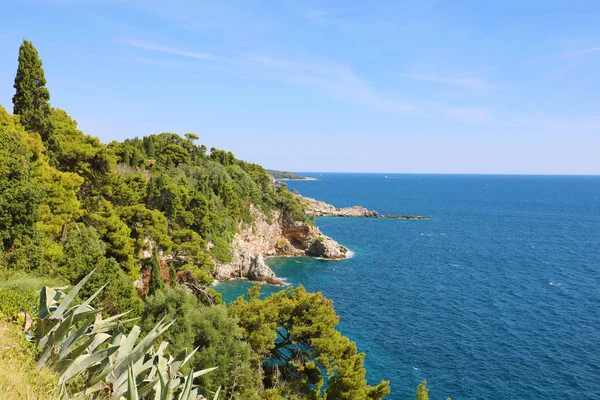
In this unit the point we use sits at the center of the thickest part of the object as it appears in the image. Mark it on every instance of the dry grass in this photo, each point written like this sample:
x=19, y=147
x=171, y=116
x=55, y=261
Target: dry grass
x=19, y=379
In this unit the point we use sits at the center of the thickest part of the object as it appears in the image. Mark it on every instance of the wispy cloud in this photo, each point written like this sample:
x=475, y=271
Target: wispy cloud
x=170, y=50
x=469, y=114
x=575, y=124
x=481, y=71
x=578, y=53
x=336, y=80
x=465, y=80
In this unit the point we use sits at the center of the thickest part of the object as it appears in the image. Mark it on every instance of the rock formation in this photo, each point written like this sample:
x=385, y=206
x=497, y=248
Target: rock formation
x=274, y=235
x=317, y=208
x=259, y=271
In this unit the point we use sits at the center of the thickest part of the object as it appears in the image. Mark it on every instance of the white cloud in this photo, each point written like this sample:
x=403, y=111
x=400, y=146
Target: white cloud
x=334, y=79
x=466, y=80
x=170, y=50
x=578, y=53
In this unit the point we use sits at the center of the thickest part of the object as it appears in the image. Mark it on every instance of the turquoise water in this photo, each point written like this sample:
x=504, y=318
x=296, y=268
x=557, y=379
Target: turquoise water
x=497, y=296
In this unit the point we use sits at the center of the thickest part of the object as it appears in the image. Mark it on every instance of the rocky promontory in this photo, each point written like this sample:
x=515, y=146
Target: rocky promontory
x=317, y=208
x=274, y=235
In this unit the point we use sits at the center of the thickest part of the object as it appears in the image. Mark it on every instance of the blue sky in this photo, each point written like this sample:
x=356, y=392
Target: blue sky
x=364, y=86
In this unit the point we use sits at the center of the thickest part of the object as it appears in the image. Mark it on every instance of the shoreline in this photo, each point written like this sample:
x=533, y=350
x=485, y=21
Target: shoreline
x=306, y=178
x=349, y=254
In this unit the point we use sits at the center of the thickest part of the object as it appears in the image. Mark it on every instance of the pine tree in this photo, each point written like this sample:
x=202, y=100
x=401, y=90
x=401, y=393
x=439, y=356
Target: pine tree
x=156, y=283
x=422, y=391
x=32, y=98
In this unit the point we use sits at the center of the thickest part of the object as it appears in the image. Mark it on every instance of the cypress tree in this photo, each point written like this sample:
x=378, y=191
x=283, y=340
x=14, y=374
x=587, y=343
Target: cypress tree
x=32, y=98
x=156, y=283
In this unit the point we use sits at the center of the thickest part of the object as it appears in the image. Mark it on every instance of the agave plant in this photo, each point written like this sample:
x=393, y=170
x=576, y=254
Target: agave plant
x=77, y=342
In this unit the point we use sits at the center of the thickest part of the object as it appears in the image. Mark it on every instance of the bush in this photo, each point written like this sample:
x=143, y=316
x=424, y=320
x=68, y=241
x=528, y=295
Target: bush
x=221, y=250
x=213, y=331
x=203, y=277
x=14, y=301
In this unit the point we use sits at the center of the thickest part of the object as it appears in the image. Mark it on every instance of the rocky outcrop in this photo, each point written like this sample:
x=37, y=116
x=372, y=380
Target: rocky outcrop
x=274, y=235
x=259, y=271
x=317, y=208
x=326, y=247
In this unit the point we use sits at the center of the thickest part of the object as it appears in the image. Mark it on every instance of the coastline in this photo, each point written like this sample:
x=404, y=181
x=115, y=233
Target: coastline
x=306, y=178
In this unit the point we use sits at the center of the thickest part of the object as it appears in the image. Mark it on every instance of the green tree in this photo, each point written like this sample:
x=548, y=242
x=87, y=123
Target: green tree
x=422, y=391
x=156, y=283
x=20, y=198
x=84, y=251
x=116, y=234
x=297, y=348
x=32, y=98
x=83, y=155
x=213, y=332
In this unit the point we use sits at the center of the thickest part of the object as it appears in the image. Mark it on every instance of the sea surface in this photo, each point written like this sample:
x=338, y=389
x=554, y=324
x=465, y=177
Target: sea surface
x=496, y=296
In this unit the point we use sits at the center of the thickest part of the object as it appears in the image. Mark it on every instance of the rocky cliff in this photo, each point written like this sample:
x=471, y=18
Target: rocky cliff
x=274, y=235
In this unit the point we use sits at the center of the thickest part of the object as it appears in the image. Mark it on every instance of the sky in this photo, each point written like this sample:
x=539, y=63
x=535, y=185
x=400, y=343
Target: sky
x=404, y=86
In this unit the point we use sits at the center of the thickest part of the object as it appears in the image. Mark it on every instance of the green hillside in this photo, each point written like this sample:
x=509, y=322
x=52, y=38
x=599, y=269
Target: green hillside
x=150, y=215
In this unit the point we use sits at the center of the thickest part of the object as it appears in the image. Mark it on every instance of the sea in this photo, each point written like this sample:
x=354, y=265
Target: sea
x=495, y=296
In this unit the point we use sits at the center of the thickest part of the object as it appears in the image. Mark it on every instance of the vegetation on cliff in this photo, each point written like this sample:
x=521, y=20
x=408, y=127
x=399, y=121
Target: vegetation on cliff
x=149, y=217
x=276, y=174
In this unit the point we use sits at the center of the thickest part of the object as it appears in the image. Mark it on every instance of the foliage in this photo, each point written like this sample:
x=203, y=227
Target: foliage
x=116, y=234
x=85, y=252
x=13, y=302
x=212, y=331
x=276, y=174
x=294, y=341
x=32, y=99
x=156, y=283
x=422, y=391
x=76, y=342
x=83, y=155
x=20, y=198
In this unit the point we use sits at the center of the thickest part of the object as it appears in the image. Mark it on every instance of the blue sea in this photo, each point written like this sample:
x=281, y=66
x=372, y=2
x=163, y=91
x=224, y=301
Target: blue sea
x=496, y=296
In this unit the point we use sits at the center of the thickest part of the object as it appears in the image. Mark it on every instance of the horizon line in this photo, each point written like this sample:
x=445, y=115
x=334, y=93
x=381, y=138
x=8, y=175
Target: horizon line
x=446, y=173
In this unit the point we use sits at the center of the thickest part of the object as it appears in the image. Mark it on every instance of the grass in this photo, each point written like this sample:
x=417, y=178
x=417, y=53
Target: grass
x=19, y=379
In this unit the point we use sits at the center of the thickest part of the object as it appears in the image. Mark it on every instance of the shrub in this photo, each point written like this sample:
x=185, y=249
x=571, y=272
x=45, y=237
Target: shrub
x=221, y=250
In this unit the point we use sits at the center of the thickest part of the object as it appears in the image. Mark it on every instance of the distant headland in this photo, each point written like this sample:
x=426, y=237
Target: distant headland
x=287, y=176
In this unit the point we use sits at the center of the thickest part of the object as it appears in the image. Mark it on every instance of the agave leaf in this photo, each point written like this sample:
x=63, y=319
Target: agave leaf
x=146, y=387
x=132, y=393
x=116, y=369
x=84, y=361
x=71, y=339
x=142, y=347
x=181, y=359
x=217, y=394
x=161, y=348
x=86, y=304
x=63, y=364
x=64, y=304
x=204, y=371
x=187, y=388
x=53, y=341
x=162, y=390
x=99, y=338
x=128, y=342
